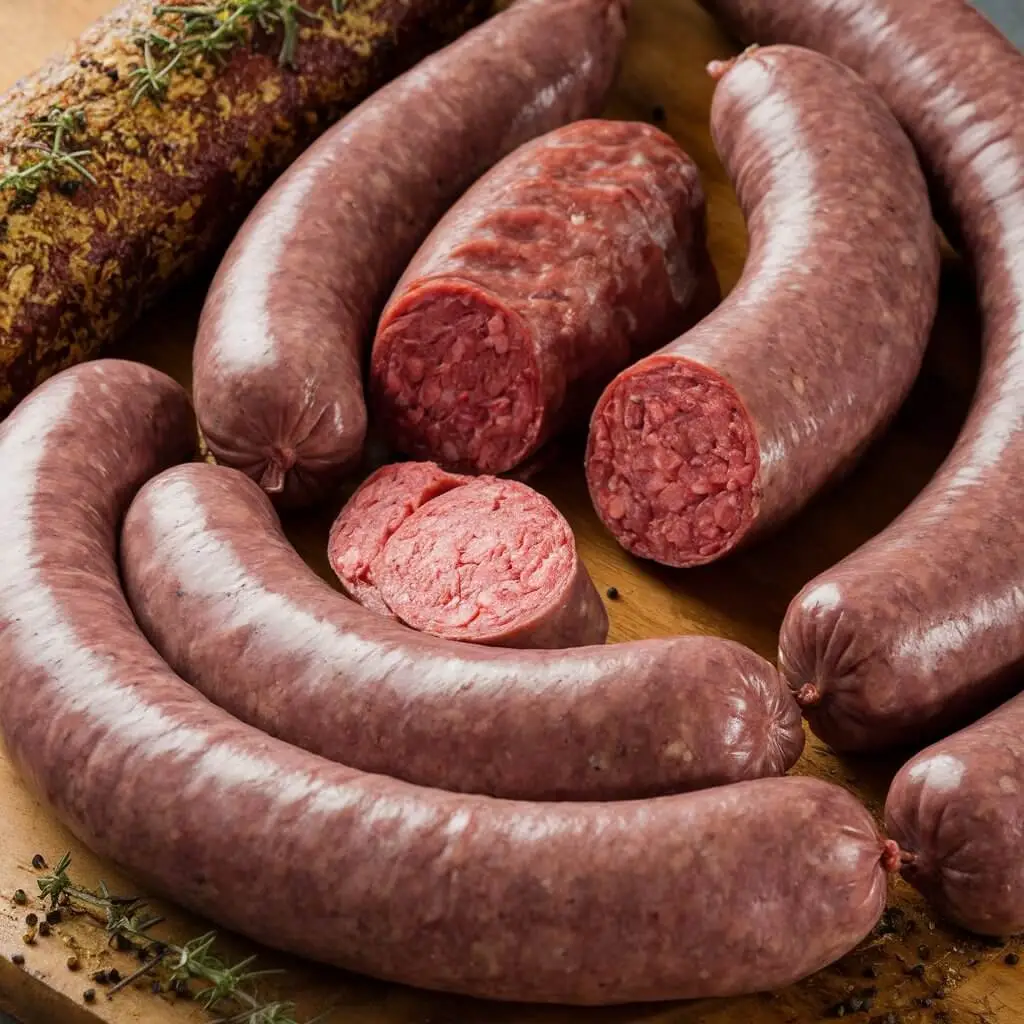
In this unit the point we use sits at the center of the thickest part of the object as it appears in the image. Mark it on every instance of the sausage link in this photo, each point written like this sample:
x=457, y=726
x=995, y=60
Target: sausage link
x=728, y=431
x=583, y=249
x=572, y=903
x=174, y=171
x=920, y=628
x=278, y=384
x=957, y=809
x=228, y=602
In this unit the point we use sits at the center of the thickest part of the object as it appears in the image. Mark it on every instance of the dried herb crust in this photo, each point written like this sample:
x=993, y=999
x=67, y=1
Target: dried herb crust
x=174, y=173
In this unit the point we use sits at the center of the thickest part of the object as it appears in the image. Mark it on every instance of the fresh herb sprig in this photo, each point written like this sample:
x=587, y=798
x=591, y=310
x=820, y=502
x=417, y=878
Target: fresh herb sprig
x=55, y=161
x=225, y=989
x=208, y=32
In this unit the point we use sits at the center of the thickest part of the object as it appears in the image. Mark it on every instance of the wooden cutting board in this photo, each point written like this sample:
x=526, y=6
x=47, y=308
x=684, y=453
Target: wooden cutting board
x=663, y=79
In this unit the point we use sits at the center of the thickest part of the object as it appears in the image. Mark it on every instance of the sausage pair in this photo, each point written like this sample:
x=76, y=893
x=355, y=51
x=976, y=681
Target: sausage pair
x=578, y=903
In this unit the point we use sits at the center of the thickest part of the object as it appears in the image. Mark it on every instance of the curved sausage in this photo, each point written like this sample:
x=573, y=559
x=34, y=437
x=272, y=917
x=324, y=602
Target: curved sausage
x=278, y=385
x=571, y=903
x=383, y=501
x=583, y=249
x=232, y=607
x=168, y=173
x=495, y=563
x=958, y=810
x=920, y=627
x=728, y=431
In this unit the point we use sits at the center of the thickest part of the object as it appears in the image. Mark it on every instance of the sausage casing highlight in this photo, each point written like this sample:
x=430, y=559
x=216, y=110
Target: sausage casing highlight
x=278, y=384
x=574, y=903
x=920, y=628
x=732, y=428
x=225, y=598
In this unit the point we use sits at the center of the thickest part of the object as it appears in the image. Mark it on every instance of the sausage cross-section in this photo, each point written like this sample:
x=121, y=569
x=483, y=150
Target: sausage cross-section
x=492, y=562
x=233, y=608
x=167, y=166
x=278, y=384
x=921, y=627
x=583, y=249
x=575, y=903
x=728, y=431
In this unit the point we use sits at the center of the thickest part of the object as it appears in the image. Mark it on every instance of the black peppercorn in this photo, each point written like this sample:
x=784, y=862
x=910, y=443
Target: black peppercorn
x=89, y=995
x=18, y=960
x=39, y=862
x=613, y=593
x=1012, y=959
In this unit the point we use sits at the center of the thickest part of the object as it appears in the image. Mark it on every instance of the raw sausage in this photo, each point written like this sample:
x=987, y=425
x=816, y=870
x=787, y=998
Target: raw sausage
x=384, y=501
x=170, y=164
x=572, y=903
x=228, y=602
x=494, y=563
x=583, y=249
x=278, y=385
x=730, y=430
x=958, y=810
x=921, y=627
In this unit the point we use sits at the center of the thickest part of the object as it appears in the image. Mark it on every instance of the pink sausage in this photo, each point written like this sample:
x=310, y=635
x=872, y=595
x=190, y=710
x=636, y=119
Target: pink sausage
x=583, y=249
x=277, y=376
x=728, y=431
x=492, y=562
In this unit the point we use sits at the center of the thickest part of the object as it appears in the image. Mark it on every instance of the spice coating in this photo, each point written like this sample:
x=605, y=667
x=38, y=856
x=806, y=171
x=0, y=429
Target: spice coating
x=81, y=262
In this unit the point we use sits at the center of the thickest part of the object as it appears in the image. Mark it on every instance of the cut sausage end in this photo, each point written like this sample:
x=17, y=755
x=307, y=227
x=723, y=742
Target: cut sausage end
x=377, y=509
x=457, y=378
x=492, y=562
x=672, y=462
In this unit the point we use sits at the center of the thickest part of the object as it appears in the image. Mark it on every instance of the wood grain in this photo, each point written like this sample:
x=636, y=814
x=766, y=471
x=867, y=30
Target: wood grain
x=744, y=598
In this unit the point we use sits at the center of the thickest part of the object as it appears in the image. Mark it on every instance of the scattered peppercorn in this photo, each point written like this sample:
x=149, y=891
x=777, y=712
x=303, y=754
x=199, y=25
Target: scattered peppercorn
x=44, y=929
x=114, y=975
x=180, y=988
x=89, y=995
x=142, y=954
x=101, y=977
x=973, y=962
x=39, y=862
x=871, y=972
x=939, y=993
x=1012, y=959
x=72, y=963
x=924, y=952
x=112, y=74
x=917, y=970
x=613, y=593
x=53, y=916
x=924, y=1001
x=18, y=960
x=83, y=63
x=20, y=897
x=156, y=988
x=68, y=187
x=911, y=925
x=658, y=114
x=121, y=943
x=31, y=920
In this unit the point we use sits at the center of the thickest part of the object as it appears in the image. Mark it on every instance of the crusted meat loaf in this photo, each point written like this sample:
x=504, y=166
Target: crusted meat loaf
x=174, y=174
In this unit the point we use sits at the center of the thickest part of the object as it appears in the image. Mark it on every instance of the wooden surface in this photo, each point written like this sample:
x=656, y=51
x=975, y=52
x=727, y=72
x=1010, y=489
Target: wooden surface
x=744, y=598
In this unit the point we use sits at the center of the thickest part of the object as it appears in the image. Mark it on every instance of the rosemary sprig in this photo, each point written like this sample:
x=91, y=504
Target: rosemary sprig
x=225, y=990
x=55, y=160
x=207, y=32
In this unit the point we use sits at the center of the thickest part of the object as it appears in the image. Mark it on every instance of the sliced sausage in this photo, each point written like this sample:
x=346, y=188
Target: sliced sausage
x=573, y=903
x=228, y=602
x=920, y=628
x=495, y=563
x=370, y=517
x=168, y=173
x=583, y=249
x=958, y=809
x=278, y=384
x=728, y=431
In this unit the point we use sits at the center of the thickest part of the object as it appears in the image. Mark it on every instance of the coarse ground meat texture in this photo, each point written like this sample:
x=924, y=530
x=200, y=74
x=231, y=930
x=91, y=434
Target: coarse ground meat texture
x=495, y=563
x=379, y=507
x=582, y=250
x=729, y=431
